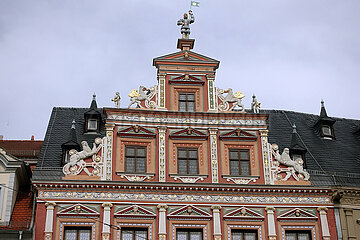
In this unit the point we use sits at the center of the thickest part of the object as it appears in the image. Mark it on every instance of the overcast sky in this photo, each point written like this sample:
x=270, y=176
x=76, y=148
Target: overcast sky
x=291, y=54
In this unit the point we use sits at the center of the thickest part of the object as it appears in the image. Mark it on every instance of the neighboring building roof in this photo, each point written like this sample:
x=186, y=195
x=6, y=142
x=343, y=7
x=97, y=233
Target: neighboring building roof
x=22, y=149
x=330, y=162
x=60, y=123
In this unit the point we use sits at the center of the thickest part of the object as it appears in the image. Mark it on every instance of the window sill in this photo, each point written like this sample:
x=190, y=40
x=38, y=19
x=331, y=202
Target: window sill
x=240, y=179
x=188, y=178
x=136, y=177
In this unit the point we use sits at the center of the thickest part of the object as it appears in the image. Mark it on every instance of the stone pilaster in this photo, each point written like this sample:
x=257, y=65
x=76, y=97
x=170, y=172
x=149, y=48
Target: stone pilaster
x=162, y=221
x=214, y=157
x=49, y=222
x=211, y=93
x=162, y=155
x=271, y=222
x=161, y=91
x=350, y=223
x=107, y=154
x=106, y=221
x=216, y=222
x=265, y=153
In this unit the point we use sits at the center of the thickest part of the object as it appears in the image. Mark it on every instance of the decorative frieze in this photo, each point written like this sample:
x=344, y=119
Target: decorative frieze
x=214, y=156
x=241, y=180
x=161, y=91
x=211, y=92
x=266, y=156
x=169, y=197
x=107, y=154
x=188, y=179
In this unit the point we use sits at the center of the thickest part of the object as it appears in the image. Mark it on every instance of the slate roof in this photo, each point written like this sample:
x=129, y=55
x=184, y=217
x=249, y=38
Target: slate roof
x=58, y=131
x=23, y=149
x=330, y=162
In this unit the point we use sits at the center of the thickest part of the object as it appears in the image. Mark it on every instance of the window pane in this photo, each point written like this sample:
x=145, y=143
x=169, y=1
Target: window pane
x=130, y=151
x=181, y=235
x=141, y=235
x=234, y=155
x=195, y=235
x=182, y=167
x=234, y=167
x=249, y=236
x=130, y=164
x=182, y=97
x=290, y=236
x=193, y=167
x=304, y=236
x=236, y=235
x=126, y=235
x=191, y=106
x=84, y=234
x=182, y=153
x=244, y=155
x=191, y=97
x=245, y=168
x=141, y=152
x=140, y=165
x=70, y=234
x=193, y=154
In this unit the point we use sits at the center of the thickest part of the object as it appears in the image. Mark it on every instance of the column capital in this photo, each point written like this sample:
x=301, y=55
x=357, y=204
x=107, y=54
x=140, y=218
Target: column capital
x=161, y=75
x=322, y=210
x=213, y=131
x=50, y=205
x=107, y=205
x=270, y=209
x=109, y=126
x=210, y=76
x=264, y=132
x=216, y=208
x=162, y=129
x=348, y=211
x=162, y=207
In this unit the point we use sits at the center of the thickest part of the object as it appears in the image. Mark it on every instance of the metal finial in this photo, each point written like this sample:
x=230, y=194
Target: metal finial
x=322, y=103
x=94, y=96
x=73, y=124
x=294, y=128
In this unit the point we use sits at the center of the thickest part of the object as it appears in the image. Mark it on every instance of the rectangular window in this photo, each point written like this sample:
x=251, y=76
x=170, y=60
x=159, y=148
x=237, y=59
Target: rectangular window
x=243, y=234
x=77, y=233
x=187, y=161
x=239, y=162
x=134, y=234
x=189, y=234
x=135, y=159
x=187, y=102
x=326, y=130
x=297, y=235
x=92, y=124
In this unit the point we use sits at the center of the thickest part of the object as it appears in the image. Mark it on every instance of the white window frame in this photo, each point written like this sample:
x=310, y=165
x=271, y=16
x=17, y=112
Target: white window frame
x=91, y=122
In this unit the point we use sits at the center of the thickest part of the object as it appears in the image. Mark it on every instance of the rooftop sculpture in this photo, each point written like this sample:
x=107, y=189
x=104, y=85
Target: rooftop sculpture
x=185, y=24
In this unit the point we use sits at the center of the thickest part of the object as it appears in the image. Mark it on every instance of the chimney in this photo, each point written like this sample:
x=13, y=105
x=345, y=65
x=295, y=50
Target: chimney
x=1, y=137
x=32, y=138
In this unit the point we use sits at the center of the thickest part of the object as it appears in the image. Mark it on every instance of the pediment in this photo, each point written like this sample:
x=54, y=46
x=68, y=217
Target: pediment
x=237, y=134
x=297, y=214
x=243, y=213
x=135, y=211
x=186, y=57
x=189, y=212
x=186, y=79
x=188, y=133
x=78, y=209
x=136, y=131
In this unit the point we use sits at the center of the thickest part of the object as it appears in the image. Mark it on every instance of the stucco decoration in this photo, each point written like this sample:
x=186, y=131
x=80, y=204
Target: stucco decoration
x=77, y=161
x=144, y=98
x=294, y=168
x=230, y=101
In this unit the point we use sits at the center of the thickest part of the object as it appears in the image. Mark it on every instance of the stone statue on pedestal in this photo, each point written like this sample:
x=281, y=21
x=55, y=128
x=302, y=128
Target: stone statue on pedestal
x=185, y=24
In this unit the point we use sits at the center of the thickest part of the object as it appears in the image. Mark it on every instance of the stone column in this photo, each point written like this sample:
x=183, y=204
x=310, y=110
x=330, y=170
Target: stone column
x=266, y=157
x=162, y=154
x=161, y=91
x=49, y=222
x=107, y=152
x=350, y=223
x=271, y=222
x=162, y=221
x=106, y=221
x=214, y=157
x=211, y=93
x=216, y=221
x=324, y=223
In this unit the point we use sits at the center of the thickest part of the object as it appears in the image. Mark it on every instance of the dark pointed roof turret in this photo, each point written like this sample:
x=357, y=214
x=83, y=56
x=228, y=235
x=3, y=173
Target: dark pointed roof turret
x=323, y=114
x=93, y=110
x=296, y=143
x=72, y=142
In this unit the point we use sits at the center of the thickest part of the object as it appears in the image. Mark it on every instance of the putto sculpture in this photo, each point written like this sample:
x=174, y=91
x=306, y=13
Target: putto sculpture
x=116, y=100
x=185, y=24
x=255, y=105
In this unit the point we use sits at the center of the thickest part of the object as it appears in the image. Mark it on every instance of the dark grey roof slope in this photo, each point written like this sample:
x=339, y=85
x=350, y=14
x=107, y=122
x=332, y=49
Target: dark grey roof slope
x=330, y=162
x=49, y=163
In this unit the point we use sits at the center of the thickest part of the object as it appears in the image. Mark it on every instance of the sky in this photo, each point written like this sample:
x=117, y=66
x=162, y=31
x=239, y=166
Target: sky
x=290, y=54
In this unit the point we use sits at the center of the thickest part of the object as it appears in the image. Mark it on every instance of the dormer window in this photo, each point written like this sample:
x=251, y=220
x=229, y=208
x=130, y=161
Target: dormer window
x=325, y=125
x=326, y=130
x=92, y=125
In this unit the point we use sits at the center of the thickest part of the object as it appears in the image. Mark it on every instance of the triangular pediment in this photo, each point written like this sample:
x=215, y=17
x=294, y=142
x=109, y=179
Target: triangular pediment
x=297, y=214
x=243, y=213
x=185, y=57
x=78, y=209
x=135, y=211
x=189, y=212
x=186, y=79
x=237, y=134
x=136, y=131
x=188, y=133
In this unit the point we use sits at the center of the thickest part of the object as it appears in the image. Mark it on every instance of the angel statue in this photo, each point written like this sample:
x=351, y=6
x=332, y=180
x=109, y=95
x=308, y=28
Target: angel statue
x=185, y=24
